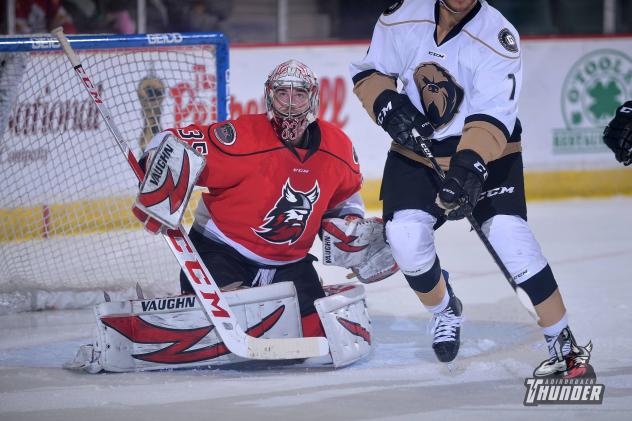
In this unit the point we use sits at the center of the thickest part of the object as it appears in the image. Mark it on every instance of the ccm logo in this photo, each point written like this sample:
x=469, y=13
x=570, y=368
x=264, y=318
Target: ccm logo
x=380, y=117
x=496, y=191
x=172, y=38
x=44, y=43
x=199, y=276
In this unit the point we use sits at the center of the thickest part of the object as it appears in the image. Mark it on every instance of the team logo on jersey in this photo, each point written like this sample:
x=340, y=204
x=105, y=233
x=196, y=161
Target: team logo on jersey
x=440, y=95
x=226, y=134
x=565, y=380
x=286, y=221
x=508, y=40
x=393, y=7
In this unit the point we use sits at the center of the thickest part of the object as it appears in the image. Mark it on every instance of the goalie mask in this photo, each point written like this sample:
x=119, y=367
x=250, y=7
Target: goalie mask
x=291, y=93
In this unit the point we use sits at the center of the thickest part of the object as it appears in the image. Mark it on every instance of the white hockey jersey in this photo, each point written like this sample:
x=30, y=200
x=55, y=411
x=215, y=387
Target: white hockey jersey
x=474, y=74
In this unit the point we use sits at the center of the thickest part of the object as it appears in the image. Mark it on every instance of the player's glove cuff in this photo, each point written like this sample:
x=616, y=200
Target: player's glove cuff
x=398, y=116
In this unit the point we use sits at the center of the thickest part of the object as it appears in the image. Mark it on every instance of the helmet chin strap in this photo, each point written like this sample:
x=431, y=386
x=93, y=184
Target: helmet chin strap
x=454, y=12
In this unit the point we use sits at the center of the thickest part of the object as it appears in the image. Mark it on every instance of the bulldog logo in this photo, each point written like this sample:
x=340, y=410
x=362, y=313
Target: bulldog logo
x=440, y=95
x=286, y=221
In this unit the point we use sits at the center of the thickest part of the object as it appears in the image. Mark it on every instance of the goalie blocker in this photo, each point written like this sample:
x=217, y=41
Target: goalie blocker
x=173, y=332
x=169, y=180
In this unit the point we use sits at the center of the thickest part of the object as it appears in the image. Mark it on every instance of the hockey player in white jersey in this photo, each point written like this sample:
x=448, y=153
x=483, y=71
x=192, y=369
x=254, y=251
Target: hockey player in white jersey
x=460, y=66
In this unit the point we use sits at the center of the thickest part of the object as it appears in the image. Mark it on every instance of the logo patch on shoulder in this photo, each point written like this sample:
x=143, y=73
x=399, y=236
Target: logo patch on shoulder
x=508, y=40
x=226, y=134
x=393, y=7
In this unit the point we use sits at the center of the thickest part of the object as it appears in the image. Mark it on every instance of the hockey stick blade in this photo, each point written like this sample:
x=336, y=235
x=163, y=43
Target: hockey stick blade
x=206, y=289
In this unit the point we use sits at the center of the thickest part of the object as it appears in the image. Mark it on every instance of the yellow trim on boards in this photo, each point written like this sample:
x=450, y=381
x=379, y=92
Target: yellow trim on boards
x=101, y=215
x=548, y=185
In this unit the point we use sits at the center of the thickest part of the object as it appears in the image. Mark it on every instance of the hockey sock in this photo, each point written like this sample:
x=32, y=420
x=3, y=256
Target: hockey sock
x=540, y=286
x=441, y=306
x=426, y=281
x=552, y=332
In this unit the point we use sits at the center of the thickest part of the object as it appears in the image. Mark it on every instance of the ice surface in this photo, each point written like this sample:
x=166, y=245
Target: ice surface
x=587, y=242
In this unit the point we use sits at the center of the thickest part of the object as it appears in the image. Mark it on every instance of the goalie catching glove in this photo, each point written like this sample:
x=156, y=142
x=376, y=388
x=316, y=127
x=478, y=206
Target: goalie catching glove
x=168, y=183
x=358, y=244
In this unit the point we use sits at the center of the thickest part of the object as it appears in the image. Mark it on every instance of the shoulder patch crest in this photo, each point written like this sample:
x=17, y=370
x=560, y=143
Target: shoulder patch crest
x=393, y=7
x=508, y=40
x=226, y=134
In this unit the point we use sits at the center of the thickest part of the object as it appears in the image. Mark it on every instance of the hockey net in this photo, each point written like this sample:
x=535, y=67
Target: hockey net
x=66, y=191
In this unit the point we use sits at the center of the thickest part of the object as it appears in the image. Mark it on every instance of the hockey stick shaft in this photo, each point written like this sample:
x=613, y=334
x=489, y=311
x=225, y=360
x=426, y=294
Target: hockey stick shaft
x=205, y=287
x=425, y=149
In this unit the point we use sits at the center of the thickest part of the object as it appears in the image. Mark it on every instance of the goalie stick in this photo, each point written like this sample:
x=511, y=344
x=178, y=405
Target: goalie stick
x=522, y=296
x=207, y=291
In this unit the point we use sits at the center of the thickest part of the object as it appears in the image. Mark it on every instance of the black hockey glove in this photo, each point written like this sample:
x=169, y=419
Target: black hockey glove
x=398, y=116
x=460, y=190
x=618, y=134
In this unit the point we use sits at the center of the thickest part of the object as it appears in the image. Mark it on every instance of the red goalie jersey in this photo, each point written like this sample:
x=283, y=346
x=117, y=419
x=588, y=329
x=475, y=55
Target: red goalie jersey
x=266, y=199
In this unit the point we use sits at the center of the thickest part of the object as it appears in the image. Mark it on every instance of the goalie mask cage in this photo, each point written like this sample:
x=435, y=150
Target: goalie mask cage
x=66, y=191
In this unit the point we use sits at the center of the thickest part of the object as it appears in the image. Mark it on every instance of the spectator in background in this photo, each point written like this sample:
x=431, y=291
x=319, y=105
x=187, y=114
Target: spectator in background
x=118, y=17
x=188, y=15
x=205, y=15
x=38, y=16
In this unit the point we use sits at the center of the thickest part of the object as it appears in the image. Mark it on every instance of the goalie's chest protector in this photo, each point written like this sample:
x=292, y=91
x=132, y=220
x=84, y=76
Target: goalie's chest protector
x=269, y=198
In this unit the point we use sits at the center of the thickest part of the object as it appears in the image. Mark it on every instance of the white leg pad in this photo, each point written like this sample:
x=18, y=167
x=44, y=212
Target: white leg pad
x=411, y=237
x=172, y=332
x=516, y=246
x=347, y=324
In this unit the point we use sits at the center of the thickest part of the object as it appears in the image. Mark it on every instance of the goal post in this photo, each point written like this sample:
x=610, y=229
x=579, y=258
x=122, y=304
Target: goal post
x=65, y=193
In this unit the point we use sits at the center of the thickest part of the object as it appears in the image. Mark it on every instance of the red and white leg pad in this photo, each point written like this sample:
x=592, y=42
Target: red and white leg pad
x=346, y=321
x=174, y=332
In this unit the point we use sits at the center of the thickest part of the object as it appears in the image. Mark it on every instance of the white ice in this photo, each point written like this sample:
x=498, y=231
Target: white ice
x=587, y=242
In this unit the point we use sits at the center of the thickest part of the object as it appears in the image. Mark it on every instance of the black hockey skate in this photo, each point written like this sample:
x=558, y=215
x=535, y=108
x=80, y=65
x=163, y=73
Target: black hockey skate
x=446, y=328
x=567, y=359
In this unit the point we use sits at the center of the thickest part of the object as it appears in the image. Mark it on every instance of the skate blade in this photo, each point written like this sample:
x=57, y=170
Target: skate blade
x=453, y=367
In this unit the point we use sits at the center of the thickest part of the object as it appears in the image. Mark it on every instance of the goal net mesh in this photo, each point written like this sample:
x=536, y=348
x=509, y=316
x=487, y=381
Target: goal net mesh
x=66, y=189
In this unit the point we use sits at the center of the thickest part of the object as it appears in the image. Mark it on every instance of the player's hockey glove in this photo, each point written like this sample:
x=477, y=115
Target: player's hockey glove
x=398, y=116
x=618, y=134
x=459, y=192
